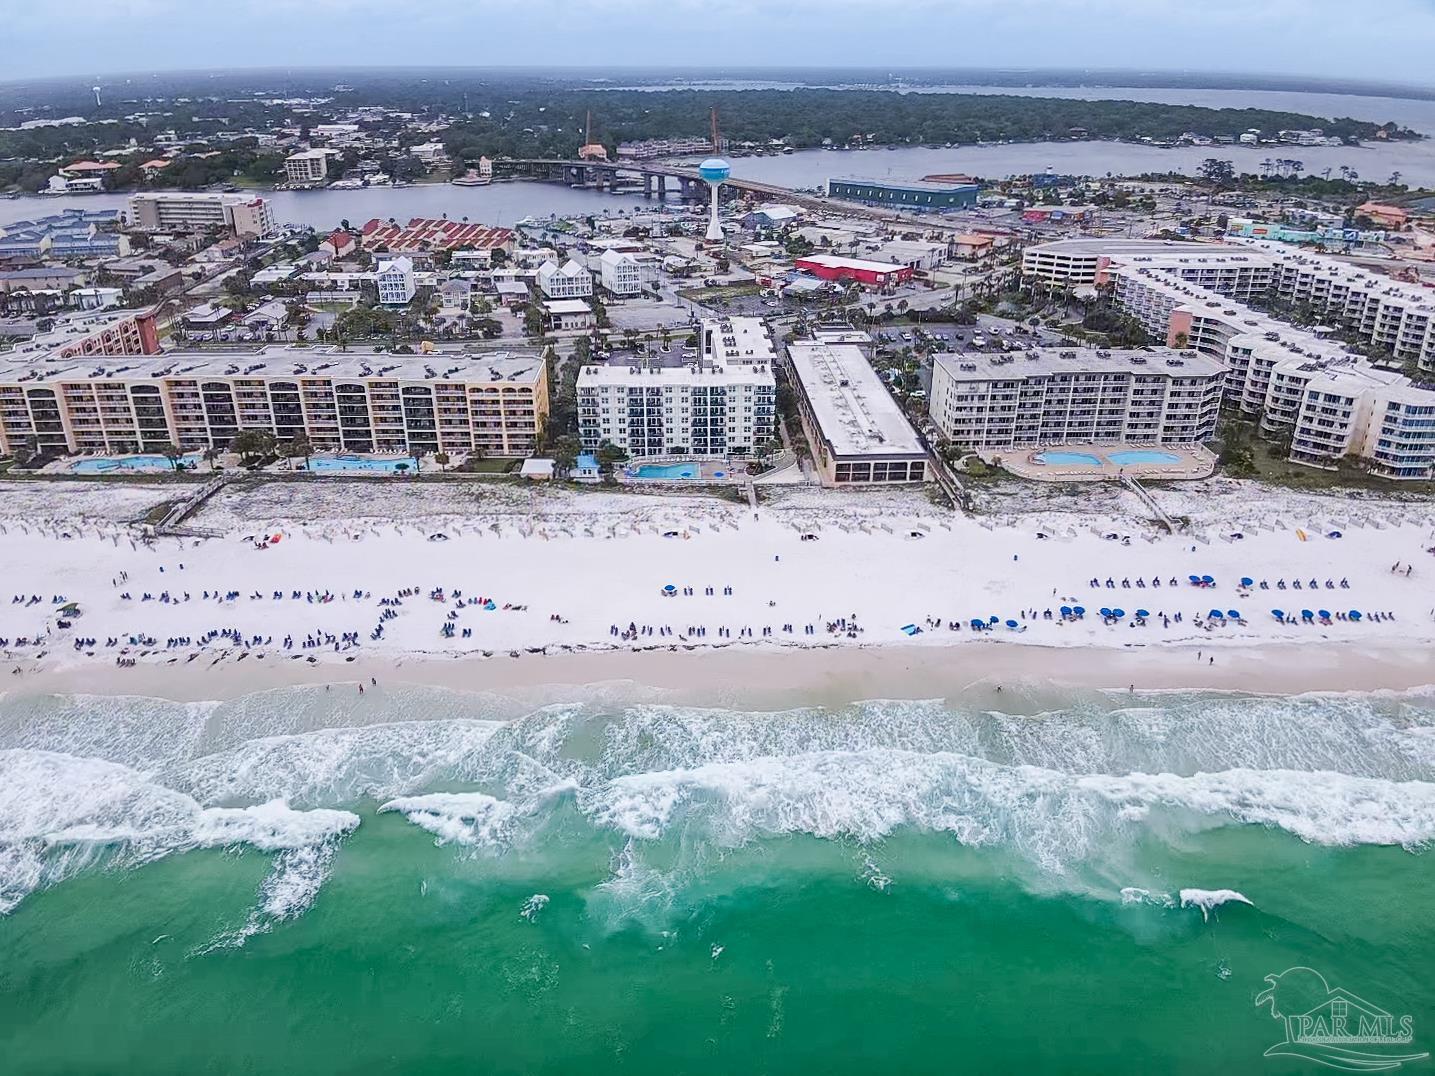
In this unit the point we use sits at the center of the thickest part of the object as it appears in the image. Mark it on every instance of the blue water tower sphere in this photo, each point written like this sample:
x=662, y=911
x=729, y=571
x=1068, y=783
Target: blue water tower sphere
x=715, y=170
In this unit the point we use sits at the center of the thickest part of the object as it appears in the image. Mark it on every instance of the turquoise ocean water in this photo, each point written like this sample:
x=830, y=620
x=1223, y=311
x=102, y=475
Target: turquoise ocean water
x=434, y=882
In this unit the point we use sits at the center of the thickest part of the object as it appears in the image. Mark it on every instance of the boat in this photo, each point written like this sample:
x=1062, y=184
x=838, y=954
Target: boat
x=471, y=178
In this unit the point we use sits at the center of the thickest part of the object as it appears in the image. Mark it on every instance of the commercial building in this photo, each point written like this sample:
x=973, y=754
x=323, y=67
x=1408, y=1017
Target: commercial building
x=353, y=400
x=1050, y=396
x=717, y=400
x=665, y=147
x=395, y=281
x=306, y=168
x=913, y=194
x=626, y=272
x=41, y=278
x=917, y=256
x=179, y=211
x=870, y=273
x=568, y=281
x=856, y=430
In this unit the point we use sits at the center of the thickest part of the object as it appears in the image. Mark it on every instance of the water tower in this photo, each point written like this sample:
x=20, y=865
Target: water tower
x=96, y=90
x=715, y=172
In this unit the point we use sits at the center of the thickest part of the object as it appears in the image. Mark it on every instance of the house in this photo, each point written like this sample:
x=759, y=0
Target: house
x=586, y=469
x=206, y=316
x=339, y=243
x=564, y=315
x=626, y=272
x=1387, y=216
x=973, y=247
x=569, y=281
x=771, y=216
x=395, y=281
x=96, y=298
x=512, y=293
x=268, y=318
x=41, y=278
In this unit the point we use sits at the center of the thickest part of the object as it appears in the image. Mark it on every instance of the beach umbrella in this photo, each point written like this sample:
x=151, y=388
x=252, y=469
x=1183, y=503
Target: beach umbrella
x=1325, y=614
x=1104, y=612
x=1066, y=610
x=1216, y=614
x=994, y=620
x=1079, y=610
x=1306, y=614
x=1194, y=578
x=1011, y=624
x=1333, y=534
x=978, y=623
x=1247, y=581
x=1208, y=579
x=1279, y=614
x=1354, y=614
x=1234, y=614
x=1142, y=613
x=1118, y=612
x=670, y=589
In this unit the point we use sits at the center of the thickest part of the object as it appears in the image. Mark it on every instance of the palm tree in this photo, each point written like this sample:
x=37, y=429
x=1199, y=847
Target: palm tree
x=171, y=452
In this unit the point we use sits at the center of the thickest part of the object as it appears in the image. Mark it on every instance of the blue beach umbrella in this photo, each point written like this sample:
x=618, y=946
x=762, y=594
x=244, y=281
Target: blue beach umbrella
x=1325, y=614
x=1216, y=614
x=1208, y=579
x=1118, y=613
x=1079, y=610
x=1142, y=613
x=1233, y=614
x=1247, y=581
x=995, y=620
x=1279, y=614
x=1066, y=610
x=1011, y=624
x=1306, y=614
x=1194, y=578
x=978, y=623
x=670, y=589
x=1354, y=614
x=1104, y=612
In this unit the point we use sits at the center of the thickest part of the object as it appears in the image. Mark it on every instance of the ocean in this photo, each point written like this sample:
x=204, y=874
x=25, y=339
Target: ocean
x=429, y=881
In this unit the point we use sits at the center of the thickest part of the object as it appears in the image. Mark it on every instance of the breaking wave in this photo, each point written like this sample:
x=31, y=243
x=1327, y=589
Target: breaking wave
x=667, y=789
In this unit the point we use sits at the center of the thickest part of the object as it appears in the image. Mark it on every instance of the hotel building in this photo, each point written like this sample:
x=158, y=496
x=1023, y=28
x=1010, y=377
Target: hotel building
x=307, y=167
x=856, y=430
x=354, y=400
x=716, y=400
x=1050, y=396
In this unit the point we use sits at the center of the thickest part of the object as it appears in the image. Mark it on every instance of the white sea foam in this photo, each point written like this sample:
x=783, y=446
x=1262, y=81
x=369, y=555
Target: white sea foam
x=1208, y=900
x=533, y=905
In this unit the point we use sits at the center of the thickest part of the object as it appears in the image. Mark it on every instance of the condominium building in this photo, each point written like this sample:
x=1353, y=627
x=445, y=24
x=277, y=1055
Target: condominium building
x=97, y=332
x=1057, y=396
x=307, y=167
x=1332, y=402
x=568, y=281
x=716, y=400
x=396, y=282
x=353, y=400
x=184, y=211
x=626, y=272
x=856, y=430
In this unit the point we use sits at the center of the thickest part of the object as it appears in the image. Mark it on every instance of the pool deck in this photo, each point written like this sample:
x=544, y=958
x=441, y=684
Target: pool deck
x=706, y=471
x=1195, y=461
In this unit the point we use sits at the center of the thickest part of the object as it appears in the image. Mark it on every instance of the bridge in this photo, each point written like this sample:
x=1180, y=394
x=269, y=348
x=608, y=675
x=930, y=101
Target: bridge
x=658, y=175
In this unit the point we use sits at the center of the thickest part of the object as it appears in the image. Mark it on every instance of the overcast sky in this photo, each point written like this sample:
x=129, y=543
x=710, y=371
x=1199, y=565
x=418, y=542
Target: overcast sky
x=1381, y=39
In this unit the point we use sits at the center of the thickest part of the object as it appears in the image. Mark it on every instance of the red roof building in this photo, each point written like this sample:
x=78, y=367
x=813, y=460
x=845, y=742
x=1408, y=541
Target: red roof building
x=875, y=274
x=435, y=233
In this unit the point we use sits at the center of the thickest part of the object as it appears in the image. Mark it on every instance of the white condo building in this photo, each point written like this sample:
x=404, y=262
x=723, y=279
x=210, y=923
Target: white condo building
x=568, y=281
x=307, y=167
x=186, y=211
x=1189, y=294
x=627, y=273
x=716, y=400
x=395, y=281
x=1051, y=396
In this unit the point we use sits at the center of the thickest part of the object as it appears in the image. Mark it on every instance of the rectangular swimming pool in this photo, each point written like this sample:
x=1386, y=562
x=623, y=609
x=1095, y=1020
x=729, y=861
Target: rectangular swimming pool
x=119, y=464
x=1133, y=456
x=352, y=464
x=1085, y=459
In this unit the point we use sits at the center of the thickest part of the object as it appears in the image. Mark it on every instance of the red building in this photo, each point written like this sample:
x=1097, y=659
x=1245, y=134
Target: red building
x=873, y=274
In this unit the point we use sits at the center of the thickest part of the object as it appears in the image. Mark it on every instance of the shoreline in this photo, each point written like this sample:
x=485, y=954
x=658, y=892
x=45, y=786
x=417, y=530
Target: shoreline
x=780, y=677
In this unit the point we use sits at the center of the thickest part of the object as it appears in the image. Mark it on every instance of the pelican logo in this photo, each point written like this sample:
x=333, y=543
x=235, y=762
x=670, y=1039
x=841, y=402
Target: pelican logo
x=1332, y=1026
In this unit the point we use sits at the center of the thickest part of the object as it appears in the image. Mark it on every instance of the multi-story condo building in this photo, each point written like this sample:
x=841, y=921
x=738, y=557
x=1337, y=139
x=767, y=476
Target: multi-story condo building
x=185, y=211
x=1078, y=263
x=396, y=281
x=568, y=281
x=308, y=167
x=857, y=433
x=715, y=400
x=354, y=400
x=1056, y=396
x=665, y=147
x=1276, y=371
x=627, y=273
x=98, y=332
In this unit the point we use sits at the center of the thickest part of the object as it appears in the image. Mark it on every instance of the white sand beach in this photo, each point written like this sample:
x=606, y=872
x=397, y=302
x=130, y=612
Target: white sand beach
x=370, y=576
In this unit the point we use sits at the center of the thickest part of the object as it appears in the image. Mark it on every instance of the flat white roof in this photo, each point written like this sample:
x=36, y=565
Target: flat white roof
x=567, y=306
x=856, y=413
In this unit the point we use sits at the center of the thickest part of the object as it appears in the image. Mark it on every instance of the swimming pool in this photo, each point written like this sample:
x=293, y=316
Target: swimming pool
x=1085, y=459
x=144, y=462
x=350, y=464
x=1133, y=456
x=667, y=470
